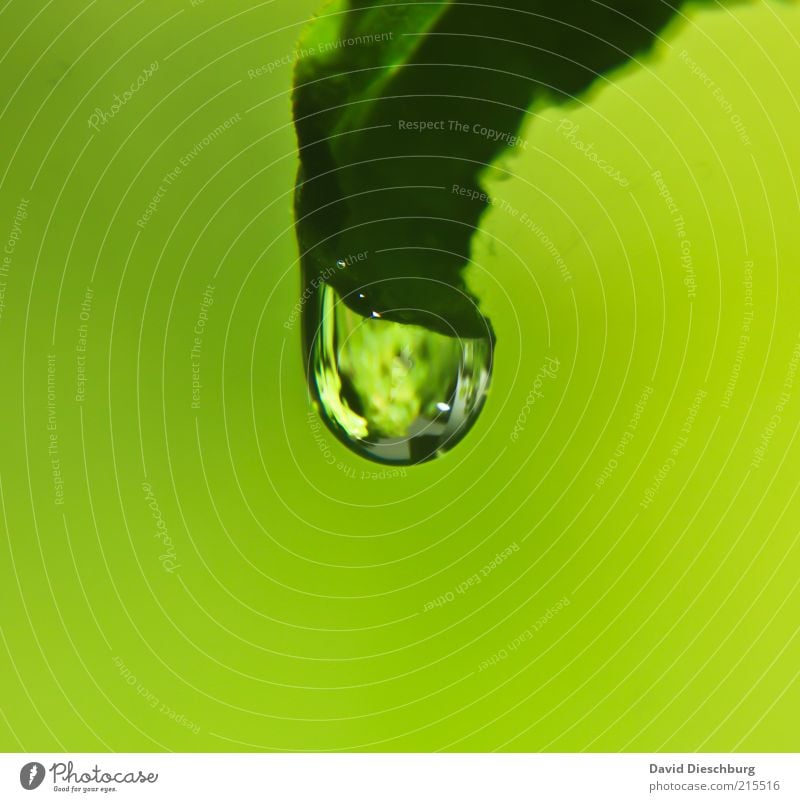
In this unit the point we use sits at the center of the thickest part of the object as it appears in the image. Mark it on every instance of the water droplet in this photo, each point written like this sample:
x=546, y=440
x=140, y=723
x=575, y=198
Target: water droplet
x=393, y=392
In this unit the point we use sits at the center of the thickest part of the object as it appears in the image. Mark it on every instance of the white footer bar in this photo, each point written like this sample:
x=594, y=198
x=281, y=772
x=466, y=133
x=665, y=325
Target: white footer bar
x=401, y=777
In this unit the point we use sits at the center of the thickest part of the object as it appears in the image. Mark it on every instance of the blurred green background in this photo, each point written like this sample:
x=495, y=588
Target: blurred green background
x=189, y=562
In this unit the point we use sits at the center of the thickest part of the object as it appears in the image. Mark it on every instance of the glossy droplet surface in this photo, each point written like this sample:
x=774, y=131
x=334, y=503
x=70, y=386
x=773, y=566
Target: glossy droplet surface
x=393, y=392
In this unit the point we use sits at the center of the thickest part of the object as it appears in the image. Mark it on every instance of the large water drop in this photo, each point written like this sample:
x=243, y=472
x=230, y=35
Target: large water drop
x=394, y=392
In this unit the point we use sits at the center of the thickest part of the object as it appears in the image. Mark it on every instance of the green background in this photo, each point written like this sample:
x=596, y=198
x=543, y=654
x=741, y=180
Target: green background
x=300, y=610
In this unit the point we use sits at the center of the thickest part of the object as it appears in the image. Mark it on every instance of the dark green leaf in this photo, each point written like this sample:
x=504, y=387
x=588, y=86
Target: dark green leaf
x=370, y=180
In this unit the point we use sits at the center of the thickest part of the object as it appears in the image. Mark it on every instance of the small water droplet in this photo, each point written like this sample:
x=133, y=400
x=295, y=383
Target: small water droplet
x=393, y=392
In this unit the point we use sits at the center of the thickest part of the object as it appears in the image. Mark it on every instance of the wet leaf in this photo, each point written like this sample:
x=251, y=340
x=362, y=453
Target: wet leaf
x=399, y=108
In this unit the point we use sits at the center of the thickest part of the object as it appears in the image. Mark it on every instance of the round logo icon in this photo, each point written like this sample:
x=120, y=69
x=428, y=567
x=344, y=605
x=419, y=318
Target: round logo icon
x=31, y=776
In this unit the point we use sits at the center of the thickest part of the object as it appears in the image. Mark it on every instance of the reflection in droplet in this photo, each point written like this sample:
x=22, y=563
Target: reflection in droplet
x=393, y=392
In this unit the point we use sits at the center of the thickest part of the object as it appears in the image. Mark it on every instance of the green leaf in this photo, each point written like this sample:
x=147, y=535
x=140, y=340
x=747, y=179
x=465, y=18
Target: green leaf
x=400, y=107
